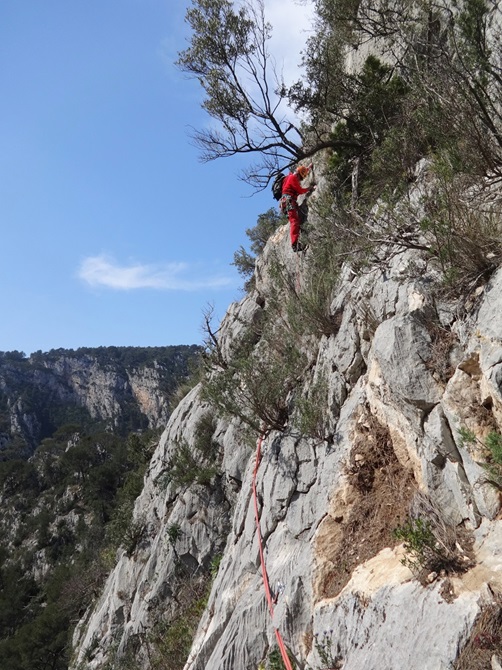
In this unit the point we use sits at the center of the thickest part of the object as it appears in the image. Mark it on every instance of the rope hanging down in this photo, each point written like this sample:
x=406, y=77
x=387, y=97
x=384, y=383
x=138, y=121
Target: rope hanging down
x=268, y=594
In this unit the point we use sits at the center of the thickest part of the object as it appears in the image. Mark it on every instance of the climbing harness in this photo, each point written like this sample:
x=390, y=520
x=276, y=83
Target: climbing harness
x=287, y=203
x=266, y=584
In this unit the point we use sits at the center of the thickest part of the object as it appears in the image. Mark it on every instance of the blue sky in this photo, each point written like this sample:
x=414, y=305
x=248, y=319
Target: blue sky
x=113, y=232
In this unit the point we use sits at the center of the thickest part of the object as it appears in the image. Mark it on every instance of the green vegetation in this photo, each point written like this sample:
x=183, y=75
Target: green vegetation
x=170, y=643
x=244, y=261
x=255, y=383
x=492, y=447
x=363, y=107
x=274, y=661
x=228, y=55
x=328, y=652
x=431, y=544
x=173, y=357
x=436, y=100
x=432, y=112
x=196, y=463
x=65, y=513
x=38, y=391
x=313, y=411
x=420, y=544
x=435, y=105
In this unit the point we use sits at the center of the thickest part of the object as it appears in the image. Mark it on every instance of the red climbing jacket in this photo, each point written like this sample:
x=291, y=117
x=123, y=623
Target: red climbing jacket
x=291, y=189
x=291, y=186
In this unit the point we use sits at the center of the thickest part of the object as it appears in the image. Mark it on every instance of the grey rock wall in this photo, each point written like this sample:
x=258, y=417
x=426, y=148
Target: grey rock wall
x=343, y=597
x=37, y=392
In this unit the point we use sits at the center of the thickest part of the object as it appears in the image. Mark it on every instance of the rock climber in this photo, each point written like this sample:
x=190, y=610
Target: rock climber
x=291, y=189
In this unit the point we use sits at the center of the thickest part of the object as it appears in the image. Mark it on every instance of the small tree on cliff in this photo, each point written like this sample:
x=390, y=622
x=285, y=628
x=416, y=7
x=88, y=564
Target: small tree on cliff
x=245, y=94
x=243, y=260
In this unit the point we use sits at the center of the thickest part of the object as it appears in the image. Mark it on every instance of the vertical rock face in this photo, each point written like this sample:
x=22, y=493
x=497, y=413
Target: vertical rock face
x=399, y=392
x=37, y=393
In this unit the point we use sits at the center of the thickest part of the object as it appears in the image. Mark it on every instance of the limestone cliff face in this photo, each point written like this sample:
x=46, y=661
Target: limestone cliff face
x=39, y=392
x=405, y=376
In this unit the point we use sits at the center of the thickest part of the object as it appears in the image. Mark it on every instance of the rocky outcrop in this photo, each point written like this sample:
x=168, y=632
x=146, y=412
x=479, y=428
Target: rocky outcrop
x=405, y=376
x=39, y=393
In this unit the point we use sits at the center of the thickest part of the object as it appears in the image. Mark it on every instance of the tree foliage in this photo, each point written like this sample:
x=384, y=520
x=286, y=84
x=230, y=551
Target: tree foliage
x=66, y=509
x=437, y=87
x=244, y=261
x=245, y=93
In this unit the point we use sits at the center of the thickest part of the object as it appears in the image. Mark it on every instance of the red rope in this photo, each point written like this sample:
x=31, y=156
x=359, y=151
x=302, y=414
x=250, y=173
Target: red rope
x=268, y=594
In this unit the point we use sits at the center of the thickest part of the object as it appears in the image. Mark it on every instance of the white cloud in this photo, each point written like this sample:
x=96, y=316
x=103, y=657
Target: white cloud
x=291, y=24
x=104, y=271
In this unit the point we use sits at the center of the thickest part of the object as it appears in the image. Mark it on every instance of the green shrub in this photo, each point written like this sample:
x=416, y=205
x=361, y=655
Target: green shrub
x=420, y=545
x=313, y=411
x=132, y=535
x=493, y=448
x=215, y=566
x=309, y=308
x=195, y=373
x=461, y=230
x=186, y=467
x=243, y=260
x=196, y=463
x=374, y=106
x=493, y=443
x=169, y=641
x=329, y=654
x=255, y=386
x=275, y=662
x=431, y=544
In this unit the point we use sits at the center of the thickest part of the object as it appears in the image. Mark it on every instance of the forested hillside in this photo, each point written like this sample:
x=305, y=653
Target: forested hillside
x=107, y=388
x=77, y=431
